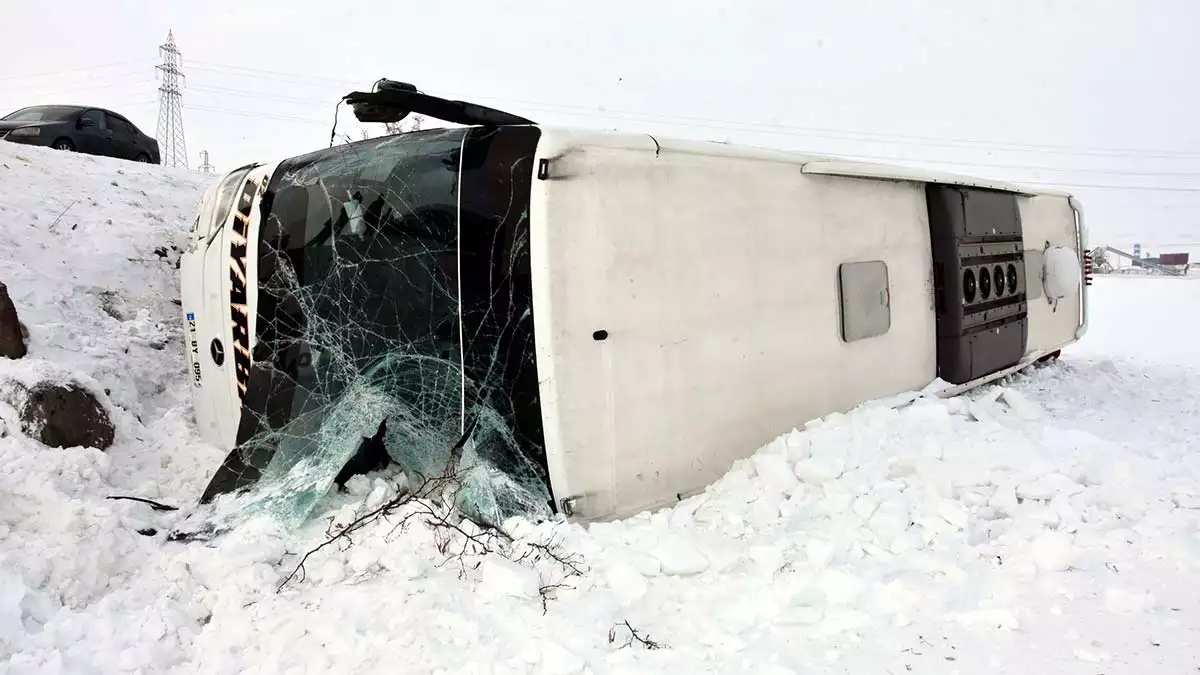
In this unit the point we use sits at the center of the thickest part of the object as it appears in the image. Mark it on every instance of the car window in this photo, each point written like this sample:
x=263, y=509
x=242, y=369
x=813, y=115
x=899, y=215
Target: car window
x=43, y=113
x=117, y=124
x=96, y=116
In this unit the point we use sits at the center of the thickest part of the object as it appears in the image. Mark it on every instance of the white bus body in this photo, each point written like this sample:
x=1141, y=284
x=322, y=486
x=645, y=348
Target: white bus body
x=692, y=301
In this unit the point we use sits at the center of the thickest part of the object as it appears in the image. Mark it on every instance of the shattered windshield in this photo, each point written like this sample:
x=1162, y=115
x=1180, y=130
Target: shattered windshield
x=394, y=321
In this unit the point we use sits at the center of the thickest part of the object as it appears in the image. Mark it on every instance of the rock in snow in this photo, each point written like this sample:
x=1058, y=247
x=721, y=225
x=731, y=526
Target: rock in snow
x=12, y=342
x=65, y=416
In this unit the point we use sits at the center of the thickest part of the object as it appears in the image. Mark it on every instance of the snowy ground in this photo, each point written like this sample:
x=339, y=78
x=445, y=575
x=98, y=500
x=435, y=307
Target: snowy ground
x=1050, y=524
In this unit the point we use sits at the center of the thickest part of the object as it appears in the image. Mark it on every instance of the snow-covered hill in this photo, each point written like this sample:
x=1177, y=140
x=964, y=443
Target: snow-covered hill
x=1048, y=524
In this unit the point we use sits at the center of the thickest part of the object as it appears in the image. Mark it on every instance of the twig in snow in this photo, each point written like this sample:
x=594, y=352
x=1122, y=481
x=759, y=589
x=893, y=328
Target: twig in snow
x=345, y=532
x=634, y=637
x=431, y=487
x=64, y=212
x=547, y=594
x=153, y=504
x=573, y=564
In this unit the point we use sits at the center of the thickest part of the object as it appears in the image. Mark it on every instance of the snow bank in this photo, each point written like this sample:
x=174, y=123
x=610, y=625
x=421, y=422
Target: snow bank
x=1048, y=524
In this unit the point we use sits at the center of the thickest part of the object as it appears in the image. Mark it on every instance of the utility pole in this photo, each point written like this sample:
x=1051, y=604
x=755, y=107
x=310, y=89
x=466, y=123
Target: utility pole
x=204, y=165
x=172, y=145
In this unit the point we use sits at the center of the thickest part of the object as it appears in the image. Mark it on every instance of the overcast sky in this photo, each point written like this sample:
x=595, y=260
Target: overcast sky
x=1067, y=93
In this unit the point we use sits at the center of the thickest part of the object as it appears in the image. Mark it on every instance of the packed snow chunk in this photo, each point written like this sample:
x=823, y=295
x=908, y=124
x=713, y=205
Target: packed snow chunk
x=1121, y=601
x=1053, y=551
x=626, y=582
x=1102, y=471
x=774, y=473
x=358, y=485
x=767, y=559
x=1004, y=499
x=558, y=660
x=989, y=619
x=984, y=408
x=773, y=669
x=819, y=552
x=890, y=520
x=841, y=587
x=936, y=386
x=330, y=572
x=821, y=468
x=258, y=541
x=1020, y=404
x=12, y=614
x=864, y=507
x=1186, y=499
x=954, y=513
x=363, y=558
x=1047, y=487
x=501, y=577
x=799, y=445
x=679, y=557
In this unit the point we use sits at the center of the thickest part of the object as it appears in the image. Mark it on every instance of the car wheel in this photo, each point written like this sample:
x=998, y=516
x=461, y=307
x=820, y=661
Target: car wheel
x=142, y=158
x=64, y=144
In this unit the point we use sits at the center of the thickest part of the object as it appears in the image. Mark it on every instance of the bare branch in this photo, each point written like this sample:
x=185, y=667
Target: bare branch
x=633, y=638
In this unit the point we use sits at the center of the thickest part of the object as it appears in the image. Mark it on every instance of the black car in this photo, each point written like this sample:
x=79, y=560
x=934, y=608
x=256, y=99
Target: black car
x=94, y=131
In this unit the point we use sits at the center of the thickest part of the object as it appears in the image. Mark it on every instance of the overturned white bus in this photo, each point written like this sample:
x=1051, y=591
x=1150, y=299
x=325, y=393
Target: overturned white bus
x=596, y=322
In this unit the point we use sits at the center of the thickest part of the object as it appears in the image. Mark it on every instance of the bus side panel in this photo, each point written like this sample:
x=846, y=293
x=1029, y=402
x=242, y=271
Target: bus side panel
x=207, y=279
x=205, y=288
x=687, y=312
x=1049, y=219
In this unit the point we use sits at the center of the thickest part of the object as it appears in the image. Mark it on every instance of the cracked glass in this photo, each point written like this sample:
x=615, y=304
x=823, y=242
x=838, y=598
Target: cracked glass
x=394, y=316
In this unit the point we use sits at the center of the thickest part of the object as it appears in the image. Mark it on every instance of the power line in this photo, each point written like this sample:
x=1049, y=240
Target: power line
x=244, y=93
x=1179, y=174
x=278, y=73
x=857, y=136
x=250, y=113
x=84, y=69
x=118, y=84
x=755, y=127
x=727, y=125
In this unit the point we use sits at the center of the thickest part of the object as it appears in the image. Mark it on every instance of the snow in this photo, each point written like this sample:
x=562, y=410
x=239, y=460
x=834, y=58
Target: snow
x=1017, y=528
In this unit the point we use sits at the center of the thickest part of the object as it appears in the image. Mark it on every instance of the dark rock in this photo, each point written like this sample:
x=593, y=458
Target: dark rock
x=12, y=333
x=66, y=416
